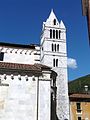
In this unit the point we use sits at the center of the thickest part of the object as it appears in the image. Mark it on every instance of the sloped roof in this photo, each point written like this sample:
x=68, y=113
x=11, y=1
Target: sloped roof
x=37, y=68
x=31, y=46
x=79, y=97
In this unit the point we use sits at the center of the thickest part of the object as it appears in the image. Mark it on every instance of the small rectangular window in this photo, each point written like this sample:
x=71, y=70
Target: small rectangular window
x=78, y=107
x=79, y=118
x=1, y=56
x=56, y=62
x=53, y=33
x=53, y=62
x=50, y=33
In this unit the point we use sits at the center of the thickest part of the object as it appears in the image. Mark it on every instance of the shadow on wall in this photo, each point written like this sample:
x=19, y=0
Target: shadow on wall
x=58, y=119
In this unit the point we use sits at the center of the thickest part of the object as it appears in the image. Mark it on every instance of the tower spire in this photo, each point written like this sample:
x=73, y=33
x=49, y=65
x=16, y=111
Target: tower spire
x=53, y=46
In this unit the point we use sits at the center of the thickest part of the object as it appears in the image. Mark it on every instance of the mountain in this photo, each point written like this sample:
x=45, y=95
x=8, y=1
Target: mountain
x=77, y=85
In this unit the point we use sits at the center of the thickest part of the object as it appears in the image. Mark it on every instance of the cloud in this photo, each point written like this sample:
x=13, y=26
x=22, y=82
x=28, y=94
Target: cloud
x=71, y=63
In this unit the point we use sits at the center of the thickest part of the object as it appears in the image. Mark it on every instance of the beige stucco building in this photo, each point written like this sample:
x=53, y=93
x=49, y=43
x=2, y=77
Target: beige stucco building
x=79, y=106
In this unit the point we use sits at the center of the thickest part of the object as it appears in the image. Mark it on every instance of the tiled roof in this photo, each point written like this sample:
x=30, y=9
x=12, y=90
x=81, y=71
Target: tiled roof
x=31, y=46
x=80, y=96
x=16, y=66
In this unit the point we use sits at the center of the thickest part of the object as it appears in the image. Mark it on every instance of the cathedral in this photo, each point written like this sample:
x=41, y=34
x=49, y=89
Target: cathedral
x=33, y=78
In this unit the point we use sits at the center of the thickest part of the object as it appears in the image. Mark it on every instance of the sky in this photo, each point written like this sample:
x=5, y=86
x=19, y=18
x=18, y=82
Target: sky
x=21, y=23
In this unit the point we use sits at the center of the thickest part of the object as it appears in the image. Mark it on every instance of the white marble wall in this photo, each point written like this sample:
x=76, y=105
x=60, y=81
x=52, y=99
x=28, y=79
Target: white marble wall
x=62, y=108
x=18, y=101
x=25, y=99
x=48, y=56
x=44, y=100
x=21, y=55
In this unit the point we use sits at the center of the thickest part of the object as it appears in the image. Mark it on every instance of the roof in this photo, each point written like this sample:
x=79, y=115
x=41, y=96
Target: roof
x=36, y=68
x=79, y=97
x=31, y=46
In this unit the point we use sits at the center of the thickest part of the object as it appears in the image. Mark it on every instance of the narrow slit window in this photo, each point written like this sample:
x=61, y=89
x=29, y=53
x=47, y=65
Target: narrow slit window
x=54, y=21
x=56, y=34
x=53, y=33
x=53, y=62
x=50, y=33
x=1, y=56
x=58, y=47
x=56, y=62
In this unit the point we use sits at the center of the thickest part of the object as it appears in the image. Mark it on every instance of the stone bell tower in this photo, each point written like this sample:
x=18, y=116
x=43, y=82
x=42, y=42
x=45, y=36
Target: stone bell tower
x=54, y=54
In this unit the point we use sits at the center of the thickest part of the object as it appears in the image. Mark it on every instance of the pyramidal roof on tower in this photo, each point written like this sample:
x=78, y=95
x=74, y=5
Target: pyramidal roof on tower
x=62, y=25
x=50, y=21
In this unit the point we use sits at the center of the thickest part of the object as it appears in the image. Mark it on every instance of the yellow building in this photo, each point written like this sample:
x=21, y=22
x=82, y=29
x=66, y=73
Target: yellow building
x=80, y=106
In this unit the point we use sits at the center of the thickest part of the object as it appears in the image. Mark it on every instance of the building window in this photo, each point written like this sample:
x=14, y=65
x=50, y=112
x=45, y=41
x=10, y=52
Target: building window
x=53, y=33
x=79, y=118
x=55, y=47
x=50, y=33
x=58, y=47
x=56, y=62
x=78, y=107
x=54, y=21
x=53, y=62
x=1, y=56
x=56, y=34
x=59, y=34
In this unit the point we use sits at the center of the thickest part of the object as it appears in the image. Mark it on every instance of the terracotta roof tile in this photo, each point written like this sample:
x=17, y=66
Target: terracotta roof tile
x=35, y=67
x=79, y=96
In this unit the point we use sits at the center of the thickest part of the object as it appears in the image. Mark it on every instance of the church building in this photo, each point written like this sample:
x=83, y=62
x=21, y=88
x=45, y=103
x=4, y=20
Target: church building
x=33, y=78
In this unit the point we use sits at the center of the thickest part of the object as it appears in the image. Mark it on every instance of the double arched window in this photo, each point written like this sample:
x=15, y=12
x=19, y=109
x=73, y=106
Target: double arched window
x=55, y=62
x=55, y=47
x=55, y=34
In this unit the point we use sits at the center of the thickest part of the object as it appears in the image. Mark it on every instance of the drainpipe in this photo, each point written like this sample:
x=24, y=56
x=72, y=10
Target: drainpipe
x=37, y=97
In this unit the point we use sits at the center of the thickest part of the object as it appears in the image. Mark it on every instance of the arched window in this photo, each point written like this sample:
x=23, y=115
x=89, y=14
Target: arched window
x=56, y=34
x=53, y=62
x=52, y=47
x=53, y=33
x=50, y=33
x=54, y=21
x=55, y=47
x=58, y=47
x=56, y=62
x=59, y=34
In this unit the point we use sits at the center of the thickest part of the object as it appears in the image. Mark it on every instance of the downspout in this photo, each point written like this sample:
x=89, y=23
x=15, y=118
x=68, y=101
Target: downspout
x=37, y=97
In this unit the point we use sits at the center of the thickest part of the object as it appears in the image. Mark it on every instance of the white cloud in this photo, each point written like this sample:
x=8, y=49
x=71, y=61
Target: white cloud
x=71, y=63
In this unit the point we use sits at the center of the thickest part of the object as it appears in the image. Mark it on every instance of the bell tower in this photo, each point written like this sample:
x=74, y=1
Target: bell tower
x=54, y=54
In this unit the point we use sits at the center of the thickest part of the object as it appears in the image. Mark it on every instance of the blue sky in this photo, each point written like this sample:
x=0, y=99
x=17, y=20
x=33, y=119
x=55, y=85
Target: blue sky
x=21, y=22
